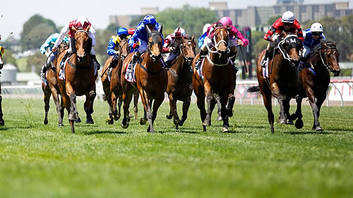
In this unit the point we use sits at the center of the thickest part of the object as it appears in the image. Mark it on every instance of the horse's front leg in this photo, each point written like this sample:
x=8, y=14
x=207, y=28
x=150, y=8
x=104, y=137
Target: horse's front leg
x=224, y=112
x=173, y=110
x=89, y=106
x=127, y=99
x=47, y=95
x=286, y=108
x=280, y=97
x=73, y=109
x=209, y=98
x=315, y=108
x=186, y=105
x=2, y=123
x=156, y=104
x=136, y=99
x=298, y=113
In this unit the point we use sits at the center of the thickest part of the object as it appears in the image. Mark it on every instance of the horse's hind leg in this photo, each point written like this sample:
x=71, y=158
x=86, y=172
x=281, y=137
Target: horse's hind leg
x=2, y=123
x=89, y=106
x=286, y=107
x=186, y=105
x=136, y=99
x=127, y=99
x=219, y=105
x=156, y=104
x=201, y=105
x=173, y=110
x=315, y=103
x=47, y=94
x=266, y=96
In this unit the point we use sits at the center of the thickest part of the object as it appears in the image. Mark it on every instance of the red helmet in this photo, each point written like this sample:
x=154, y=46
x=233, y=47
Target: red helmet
x=131, y=31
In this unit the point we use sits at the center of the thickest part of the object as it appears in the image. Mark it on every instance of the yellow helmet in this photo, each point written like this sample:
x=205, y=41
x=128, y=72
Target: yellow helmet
x=2, y=49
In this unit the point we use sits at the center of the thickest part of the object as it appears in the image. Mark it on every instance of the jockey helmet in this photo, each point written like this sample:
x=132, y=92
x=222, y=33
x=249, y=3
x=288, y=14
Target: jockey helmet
x=205, y=27
x=131, y=31
x=288, y=17
x=149, y=19
x=316, y=27
x=179, y=32
x=121, y=31
x=226, y=21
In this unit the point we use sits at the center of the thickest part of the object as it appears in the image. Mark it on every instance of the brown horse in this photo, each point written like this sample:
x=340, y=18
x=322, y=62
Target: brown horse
x=112, y=89
x=151, y=80
x=180, y=79
x=315, y=79
x=79, y=78
x=218, y=83
x=2, y=122
x=52, y=89
x=283, y=81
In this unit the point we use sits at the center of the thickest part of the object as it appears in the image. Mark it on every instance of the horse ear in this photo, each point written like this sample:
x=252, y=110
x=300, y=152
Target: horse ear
x=160, y=29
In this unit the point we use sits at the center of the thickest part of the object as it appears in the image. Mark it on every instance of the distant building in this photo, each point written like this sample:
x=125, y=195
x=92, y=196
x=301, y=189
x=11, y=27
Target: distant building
x=255, y=17
x=124, y=20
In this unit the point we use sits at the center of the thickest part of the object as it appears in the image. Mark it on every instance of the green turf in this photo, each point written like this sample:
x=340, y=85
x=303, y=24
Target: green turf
x=103, y=160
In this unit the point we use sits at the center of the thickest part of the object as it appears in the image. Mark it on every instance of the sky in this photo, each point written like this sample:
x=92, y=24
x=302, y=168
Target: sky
x=14, y=13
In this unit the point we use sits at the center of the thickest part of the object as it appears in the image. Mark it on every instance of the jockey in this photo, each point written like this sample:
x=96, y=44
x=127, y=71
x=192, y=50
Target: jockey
x=70, y=29
x=112, y=49
x=169, y=44
x=286, y=23
x=139, y=39
x=235, y=38
x=312, y=37
x=46, y=49
x=203, y=36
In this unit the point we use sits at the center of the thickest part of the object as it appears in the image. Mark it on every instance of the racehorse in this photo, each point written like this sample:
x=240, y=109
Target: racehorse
x=180, y=79
x=2, y=122
x=218, y=83
x=80, y=75
x=151, y=80
x=112, y=89
x=283, y=81
x=315, y=79
x=52, y=89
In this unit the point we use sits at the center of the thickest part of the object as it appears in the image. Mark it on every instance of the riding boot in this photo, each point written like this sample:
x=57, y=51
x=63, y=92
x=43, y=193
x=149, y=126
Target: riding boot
x=203, y=54
x=235, y=68
x=94, y=58
x=42, y=73
x=135, y=59
x=114, y=61
x=266, y=59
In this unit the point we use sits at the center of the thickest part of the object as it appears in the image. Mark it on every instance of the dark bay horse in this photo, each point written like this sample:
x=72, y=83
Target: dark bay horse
x=52, y=89
x=283, y=82
x=112, y=89
x=2, y=122
x=79, y=79
x=315, y=79
x=218, y=83
x=180, y=79
x=151, y=78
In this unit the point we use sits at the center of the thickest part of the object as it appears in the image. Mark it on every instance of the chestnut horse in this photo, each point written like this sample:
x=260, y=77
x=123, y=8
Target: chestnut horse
x=52, y=89
x=151, y=80
x=180, y=79
x=283, y=81
x=218, y=83
x=79, y=79
x=2, y=123
x=112, y=89
x=315, y=79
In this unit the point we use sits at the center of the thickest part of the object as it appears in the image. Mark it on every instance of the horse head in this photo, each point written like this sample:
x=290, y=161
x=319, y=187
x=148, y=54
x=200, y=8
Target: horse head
x=124, y=48
x=155, y=41
x=330, y=56
x=2, y=50
x=290, y=47
x=220, y=40
x=188, y=49
x=83, y=45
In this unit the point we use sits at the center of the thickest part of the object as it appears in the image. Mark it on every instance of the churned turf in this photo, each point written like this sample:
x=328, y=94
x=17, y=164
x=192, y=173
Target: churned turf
x=104, y=160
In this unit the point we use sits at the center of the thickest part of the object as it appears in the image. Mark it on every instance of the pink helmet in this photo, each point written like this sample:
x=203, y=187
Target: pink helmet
x=226, y=21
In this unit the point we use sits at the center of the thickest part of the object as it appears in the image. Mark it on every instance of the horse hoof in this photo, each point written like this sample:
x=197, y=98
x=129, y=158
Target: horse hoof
x=318, y=128
x=45, y=121
x=2, y=123
x=89, y=121
x=110, y=121
x=225, y=130
x=169, y=117
x=143, y=121
x=60, y=125
x=124, y=126
x=78, y=120
x=204, y=128
x=116, y=118
x=230, y=113
x=289, y=122
x=299, y=124
x=282, y=121
x=293, y=116
x=219, y=118
x=181, y=123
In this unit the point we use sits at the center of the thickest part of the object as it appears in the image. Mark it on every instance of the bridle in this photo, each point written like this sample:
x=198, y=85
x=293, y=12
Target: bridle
x=284, y=52
x=216, y=45
x=325, y=52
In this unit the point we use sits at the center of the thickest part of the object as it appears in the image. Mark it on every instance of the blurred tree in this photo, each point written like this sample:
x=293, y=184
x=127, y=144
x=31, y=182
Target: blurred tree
x=9, y=58
x=35, y=32
x=37, y=60
x=134, y=22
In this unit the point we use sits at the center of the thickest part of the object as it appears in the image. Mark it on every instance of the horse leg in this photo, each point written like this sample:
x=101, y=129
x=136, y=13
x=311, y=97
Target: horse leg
x=47, y=95
x=201, y=105
x=266, y=96
x=286, y=108
x=319, y=102
x=186, y=105
x=315, y=108
x=171, y=106
x=219, y=105
x=224, y=112
x=136, y=99
x=209, y=98
x=173, y=111
x=156, y=104
x=298, y=113
x=115, y=111
x=88, y=106
x=127, y=99
x=2, y=123
x=57, y=102
x=230, y=105
x=149, y=113
x=73, y=109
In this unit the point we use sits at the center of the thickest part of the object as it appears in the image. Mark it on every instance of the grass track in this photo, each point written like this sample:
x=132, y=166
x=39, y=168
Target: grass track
x=107, y=161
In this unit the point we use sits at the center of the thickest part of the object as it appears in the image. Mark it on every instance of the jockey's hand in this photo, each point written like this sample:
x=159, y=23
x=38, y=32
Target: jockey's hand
x=171, y=49
x=240, y=42
x=54, y=49
x=135, y=45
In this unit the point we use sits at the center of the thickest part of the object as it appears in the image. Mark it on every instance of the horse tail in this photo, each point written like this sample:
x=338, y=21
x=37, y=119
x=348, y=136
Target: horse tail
x=254, y=89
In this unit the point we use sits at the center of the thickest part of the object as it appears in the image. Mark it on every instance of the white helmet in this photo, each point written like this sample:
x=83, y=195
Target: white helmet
x=316, y=27
x=180, y=30
x=288, y=17
x=205, y=27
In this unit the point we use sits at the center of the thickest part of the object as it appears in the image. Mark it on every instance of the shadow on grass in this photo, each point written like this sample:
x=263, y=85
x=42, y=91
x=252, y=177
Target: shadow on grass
x=104, y=132
x=308, y=132
x=2, y=128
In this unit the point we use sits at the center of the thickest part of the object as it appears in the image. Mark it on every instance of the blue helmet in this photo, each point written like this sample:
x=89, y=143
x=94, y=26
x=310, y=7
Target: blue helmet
x=122, y=31
x=149, y=19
